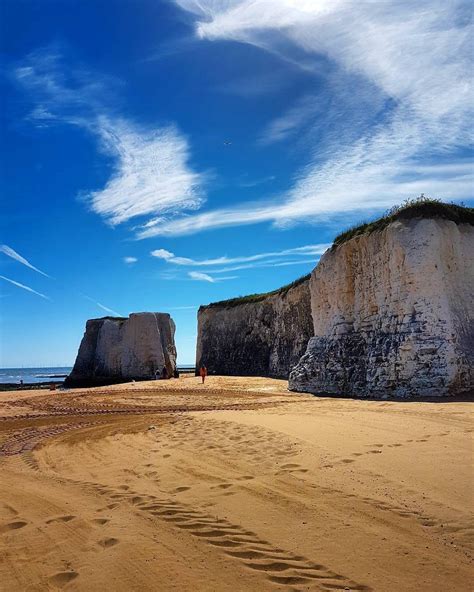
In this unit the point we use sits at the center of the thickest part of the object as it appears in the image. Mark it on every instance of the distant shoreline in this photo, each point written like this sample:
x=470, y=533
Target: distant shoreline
x=58, y=380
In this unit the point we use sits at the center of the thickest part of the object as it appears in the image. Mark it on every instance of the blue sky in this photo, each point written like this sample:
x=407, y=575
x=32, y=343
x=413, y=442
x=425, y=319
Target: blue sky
x=158, y=155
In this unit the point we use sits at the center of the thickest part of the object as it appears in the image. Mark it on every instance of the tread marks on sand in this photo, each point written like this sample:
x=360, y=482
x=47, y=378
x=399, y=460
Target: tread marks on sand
x=279, y=566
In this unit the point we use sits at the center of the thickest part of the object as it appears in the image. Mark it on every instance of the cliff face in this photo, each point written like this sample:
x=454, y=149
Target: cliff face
x=393, y=314
x=260, y=338
x=120, y=349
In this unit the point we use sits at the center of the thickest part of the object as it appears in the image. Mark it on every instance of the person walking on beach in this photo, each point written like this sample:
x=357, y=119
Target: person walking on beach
x=203, y=373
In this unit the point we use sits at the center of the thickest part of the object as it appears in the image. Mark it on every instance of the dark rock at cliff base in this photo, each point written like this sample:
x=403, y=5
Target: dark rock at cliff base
x=115, y=350
x=262, y=335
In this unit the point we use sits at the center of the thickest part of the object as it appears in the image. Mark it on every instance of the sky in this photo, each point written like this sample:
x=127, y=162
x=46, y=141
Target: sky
x=157, y=155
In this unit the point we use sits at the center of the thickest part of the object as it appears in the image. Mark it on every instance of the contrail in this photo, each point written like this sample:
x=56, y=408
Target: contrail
x=9, y=252
x=24, y=287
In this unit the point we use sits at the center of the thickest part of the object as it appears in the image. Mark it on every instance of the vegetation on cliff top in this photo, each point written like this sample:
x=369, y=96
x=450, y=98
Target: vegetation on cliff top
x=251, y=298
x=421, y=207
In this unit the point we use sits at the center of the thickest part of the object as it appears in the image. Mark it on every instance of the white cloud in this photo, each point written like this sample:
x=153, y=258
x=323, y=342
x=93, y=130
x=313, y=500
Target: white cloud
x=415, y=59
x=151, y=174
x=6, y=250
x=24, y=287
x=130, y=260
x=204, y=277
x=317, y=249
x=260, y=264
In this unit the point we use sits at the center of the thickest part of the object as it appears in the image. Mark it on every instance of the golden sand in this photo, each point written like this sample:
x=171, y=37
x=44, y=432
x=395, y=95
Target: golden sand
x=237, y=485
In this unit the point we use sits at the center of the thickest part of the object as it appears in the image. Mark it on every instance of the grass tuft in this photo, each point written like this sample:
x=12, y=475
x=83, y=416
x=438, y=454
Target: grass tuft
x=420, y=207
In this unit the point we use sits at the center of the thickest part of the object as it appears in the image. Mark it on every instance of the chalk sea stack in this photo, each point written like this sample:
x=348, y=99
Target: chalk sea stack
x=257, y=335
x=119, y=349
x=393, y=309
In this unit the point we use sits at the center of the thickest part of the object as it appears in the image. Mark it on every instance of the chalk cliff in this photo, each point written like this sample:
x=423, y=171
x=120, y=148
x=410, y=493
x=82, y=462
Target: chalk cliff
x=120, y=349
x=262, y=335
x=393, y=313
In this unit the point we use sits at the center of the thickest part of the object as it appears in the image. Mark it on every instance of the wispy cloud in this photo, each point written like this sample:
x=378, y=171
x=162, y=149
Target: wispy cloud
x=27, y=288
x=305, y=251
x=255, y=182
x=6, y=250
x=151, y=175
x=130, y=260
x=415, y=59
x=291, y=121
x=260, y=264
x=204, y=277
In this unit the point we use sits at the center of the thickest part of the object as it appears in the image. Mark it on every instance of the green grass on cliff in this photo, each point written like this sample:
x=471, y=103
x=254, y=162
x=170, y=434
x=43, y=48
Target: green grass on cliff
x=421, y=207
x=255, y=297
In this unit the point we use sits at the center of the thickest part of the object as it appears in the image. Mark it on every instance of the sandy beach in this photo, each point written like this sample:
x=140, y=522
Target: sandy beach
x=234, y=485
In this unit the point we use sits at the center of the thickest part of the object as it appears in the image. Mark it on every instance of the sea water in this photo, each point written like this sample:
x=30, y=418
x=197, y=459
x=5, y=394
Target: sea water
x=50, y=374
x=34, y=375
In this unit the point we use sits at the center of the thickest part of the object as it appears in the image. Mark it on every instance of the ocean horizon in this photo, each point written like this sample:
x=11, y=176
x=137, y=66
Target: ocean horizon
x=34, y=375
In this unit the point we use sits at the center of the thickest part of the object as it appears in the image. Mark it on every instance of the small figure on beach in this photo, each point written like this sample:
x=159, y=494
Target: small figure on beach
x=164, y=373
x=157, y=374
x=203, y=373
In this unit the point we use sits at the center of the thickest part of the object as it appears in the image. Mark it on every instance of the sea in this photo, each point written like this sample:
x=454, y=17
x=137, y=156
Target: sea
x=34, y=375
x=50, y=374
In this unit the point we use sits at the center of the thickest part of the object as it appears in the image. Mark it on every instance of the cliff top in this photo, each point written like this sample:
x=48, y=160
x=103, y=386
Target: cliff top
x=251, y=298
x=111, y=318
x=421, y=207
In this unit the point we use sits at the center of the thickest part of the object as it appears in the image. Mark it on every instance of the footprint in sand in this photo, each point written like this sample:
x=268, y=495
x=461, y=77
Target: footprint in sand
x=181, y=489
x=109, y=507
x=291, y=468
x=108, y=542
x=222, y=486
x=62, y=578
x=101, y=521
x=60, y=519
x=13, y=526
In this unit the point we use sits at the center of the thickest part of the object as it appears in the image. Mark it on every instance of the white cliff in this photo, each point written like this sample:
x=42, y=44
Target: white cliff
x=393, y=313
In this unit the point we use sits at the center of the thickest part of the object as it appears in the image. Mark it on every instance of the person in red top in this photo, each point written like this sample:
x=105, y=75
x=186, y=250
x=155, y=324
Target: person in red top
x=203, y=373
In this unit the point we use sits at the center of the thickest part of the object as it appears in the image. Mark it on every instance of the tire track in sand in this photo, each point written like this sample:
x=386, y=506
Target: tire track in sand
x=279, y=566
